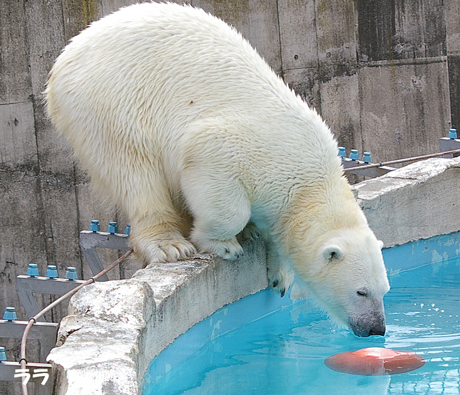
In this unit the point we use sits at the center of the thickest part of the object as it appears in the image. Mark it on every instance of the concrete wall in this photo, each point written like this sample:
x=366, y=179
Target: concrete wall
x=115, y=328
x=384, y=74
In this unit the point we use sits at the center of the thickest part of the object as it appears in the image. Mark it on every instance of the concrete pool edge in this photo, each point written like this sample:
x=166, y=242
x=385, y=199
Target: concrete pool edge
x=109, y=323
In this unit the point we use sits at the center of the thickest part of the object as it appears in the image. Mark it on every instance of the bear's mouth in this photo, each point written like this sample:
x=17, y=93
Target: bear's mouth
x=364, y=327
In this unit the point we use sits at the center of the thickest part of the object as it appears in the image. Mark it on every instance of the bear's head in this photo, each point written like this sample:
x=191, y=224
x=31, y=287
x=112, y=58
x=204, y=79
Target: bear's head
x=347, y=276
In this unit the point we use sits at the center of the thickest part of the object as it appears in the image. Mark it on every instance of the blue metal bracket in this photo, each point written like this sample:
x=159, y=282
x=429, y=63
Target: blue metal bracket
x=449, y=143
x=26, y=286
x=44, y=332
x=90, y=241
x=353, y=162
x=38, y=373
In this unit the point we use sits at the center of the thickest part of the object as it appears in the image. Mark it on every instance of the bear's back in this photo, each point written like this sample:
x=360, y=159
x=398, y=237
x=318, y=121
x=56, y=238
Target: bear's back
x=153, y=78
x=147, y=61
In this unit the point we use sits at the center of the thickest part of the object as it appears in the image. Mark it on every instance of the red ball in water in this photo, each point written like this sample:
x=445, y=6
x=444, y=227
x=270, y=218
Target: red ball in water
x=374, y=361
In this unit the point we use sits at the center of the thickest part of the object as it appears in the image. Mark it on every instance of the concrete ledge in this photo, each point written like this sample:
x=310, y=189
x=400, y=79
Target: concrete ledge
x=415, y=202
x=109, y=322
x=114, y=329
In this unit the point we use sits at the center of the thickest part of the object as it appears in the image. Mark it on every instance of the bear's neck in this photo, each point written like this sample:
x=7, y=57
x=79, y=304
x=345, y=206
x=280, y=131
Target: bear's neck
x=315, y=212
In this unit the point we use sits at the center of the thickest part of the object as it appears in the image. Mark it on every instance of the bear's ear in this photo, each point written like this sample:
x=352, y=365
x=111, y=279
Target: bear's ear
x=332, y=253
x=380, y=243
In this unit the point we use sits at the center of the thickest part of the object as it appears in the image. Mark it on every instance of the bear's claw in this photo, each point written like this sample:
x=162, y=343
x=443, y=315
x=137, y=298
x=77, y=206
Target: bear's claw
x=282, y=291
x=250, y=232
x=280, y=279
x=228, y=249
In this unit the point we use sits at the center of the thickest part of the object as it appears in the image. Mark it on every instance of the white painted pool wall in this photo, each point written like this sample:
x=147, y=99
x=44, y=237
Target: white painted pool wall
x=114, y=329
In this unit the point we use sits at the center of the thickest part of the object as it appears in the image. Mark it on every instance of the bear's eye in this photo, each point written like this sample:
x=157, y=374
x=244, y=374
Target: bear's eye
x=362, y=293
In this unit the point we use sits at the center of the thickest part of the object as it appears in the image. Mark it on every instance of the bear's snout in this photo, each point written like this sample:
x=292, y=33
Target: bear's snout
x=364, y=327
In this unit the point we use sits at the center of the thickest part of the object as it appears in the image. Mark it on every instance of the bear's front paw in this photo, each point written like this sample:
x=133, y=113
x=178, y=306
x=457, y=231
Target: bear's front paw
x=227, y=249
x=280, y=279
x=165, y=247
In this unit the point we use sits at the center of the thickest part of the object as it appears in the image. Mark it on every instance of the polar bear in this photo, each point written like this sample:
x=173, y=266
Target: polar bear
x=185, y=128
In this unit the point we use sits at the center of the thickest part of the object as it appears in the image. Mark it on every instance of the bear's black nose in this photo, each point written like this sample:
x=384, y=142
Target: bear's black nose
x=377, y=331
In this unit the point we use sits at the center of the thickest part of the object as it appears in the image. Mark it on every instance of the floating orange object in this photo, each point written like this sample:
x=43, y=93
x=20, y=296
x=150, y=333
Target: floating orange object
x=374, y=361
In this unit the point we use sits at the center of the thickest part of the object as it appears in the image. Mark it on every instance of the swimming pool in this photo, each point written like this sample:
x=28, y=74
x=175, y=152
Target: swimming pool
x=266, y=345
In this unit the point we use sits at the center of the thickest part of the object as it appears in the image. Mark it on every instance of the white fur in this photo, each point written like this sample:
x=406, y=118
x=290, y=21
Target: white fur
x=173, y=113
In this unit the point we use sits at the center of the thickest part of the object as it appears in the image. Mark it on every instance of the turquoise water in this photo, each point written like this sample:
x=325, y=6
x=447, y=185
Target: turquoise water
x=284, y=352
